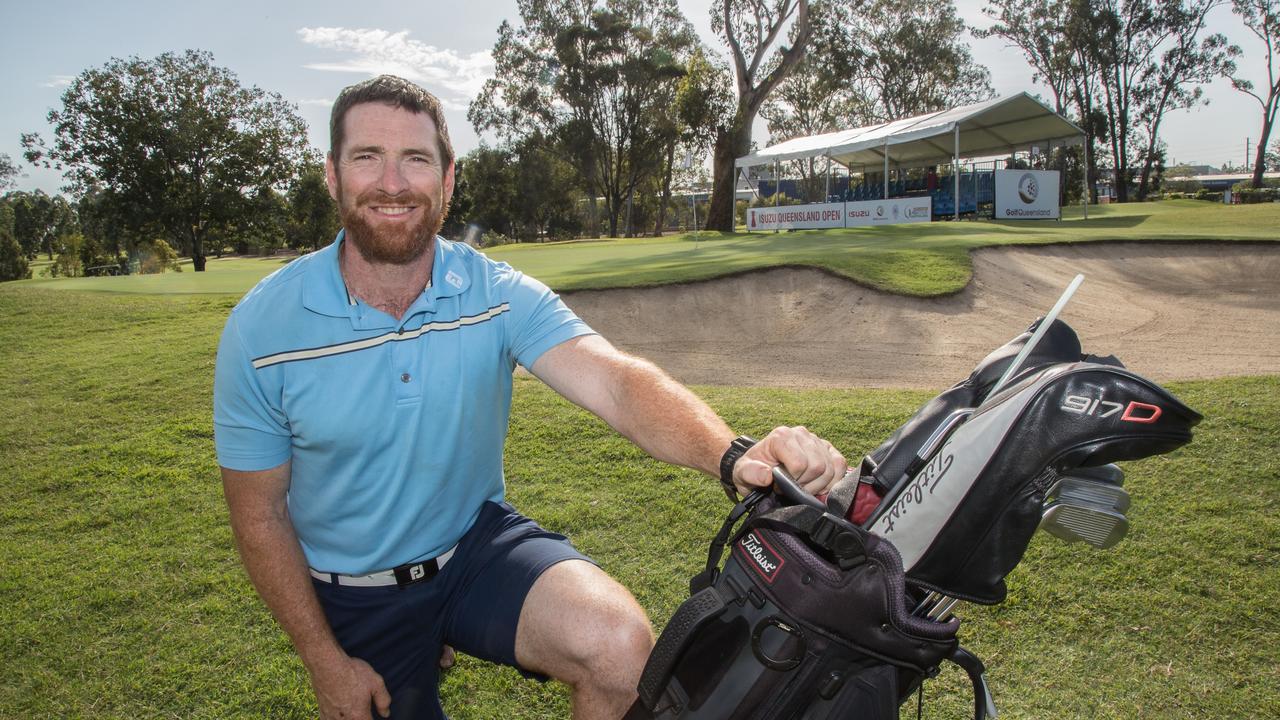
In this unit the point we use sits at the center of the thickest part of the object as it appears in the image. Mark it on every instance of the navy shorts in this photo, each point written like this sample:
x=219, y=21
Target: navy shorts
x=473, y=604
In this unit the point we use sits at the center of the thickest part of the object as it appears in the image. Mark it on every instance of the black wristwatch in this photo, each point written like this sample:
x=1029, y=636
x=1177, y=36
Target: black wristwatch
x=740, y=445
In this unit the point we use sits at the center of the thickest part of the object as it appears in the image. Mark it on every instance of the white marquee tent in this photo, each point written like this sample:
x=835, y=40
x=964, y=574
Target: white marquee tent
x=995, y=127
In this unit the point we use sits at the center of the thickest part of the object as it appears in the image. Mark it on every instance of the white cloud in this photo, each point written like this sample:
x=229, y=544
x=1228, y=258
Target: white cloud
x=453, y=77
x=318, y=102
x=58, y=81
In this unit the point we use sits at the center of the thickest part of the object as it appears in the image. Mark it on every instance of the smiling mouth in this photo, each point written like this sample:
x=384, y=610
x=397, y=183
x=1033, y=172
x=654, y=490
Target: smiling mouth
x=391, y=210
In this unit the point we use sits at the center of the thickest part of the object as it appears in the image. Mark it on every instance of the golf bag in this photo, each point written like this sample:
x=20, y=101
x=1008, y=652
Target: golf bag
x=962, y=484
x=814, y=613
x=809, y=618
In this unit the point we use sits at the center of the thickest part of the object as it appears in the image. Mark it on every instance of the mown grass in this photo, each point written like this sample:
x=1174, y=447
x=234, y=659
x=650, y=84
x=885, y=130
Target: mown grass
x=122, y=596
x=223, y=276
x=921, y=260
x=918, y=259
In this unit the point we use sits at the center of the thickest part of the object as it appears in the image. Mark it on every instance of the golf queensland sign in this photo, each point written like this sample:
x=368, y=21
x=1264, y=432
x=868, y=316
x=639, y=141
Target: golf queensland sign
x=1027, y=195
x=839, y=215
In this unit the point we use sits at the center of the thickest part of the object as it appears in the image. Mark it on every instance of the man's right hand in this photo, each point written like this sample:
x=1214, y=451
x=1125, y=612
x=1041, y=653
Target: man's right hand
x=345, y=688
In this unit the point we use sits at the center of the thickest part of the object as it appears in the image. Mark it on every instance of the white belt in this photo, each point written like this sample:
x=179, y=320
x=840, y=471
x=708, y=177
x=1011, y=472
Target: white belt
x=407, y=574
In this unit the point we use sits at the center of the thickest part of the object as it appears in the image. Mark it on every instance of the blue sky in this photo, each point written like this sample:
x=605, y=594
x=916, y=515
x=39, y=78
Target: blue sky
x=307, y=51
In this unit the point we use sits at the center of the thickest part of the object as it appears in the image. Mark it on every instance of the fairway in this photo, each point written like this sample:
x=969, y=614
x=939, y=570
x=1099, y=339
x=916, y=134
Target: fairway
x=921, y=260
x=230, y=275
x=123, y=596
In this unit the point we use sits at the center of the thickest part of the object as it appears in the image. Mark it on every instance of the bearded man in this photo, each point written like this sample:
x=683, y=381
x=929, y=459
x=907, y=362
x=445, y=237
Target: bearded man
x=361, y=401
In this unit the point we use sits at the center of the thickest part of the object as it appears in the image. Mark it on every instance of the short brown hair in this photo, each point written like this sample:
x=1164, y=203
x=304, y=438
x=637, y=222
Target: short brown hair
x=396, y=92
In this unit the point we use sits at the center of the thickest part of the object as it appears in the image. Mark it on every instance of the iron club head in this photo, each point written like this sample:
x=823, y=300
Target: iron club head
x=1100, y=526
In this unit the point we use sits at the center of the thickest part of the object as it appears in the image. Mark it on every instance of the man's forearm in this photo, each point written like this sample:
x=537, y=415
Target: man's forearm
x=638, y=400
x=273, y=559
x=672, y=424
x=665, y=419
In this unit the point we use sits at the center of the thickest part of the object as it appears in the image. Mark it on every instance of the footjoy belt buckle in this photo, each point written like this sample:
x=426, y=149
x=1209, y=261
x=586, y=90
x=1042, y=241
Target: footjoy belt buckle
x=416, y=572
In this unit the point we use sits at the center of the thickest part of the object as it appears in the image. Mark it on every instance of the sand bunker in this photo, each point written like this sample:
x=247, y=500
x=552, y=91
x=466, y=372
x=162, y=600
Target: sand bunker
x=1169, y=311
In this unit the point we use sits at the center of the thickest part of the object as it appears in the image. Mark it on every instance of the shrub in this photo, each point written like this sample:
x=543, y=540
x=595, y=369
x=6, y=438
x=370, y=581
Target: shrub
x=492, y=238
x=1251, y=196
x=156, y=256
x=67, y=264
x=1183, y=186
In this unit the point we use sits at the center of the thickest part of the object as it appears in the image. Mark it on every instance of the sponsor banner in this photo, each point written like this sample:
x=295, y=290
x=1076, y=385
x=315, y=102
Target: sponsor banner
x=787, y=217
x=888, y=212
x=1027, y=195
x=836, y=215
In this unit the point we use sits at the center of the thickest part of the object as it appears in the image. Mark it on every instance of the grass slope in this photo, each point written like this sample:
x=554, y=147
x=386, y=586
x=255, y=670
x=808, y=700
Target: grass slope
x=922, y=260
x=122, y=595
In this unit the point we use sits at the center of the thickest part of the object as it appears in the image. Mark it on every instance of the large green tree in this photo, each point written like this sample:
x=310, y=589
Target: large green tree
x=177, y=142
x=871, y=61
x=1262, y=18
x=1039, y=29
x=766, y=39
x=596, y=76
x=487, y=186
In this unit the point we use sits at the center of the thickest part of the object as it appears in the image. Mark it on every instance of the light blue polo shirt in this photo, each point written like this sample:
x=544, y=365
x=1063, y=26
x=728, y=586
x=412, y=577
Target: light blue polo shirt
x=395, y=428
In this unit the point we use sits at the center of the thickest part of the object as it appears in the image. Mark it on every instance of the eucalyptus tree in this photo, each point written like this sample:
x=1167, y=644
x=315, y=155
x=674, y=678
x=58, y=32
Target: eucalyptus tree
x=766, y=39
x=903, y=57
x=1262, y=18
x=600, y=78
x=1151, y=59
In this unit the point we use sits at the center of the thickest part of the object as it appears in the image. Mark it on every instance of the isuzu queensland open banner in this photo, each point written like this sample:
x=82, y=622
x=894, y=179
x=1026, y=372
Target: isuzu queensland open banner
x=1027, y=195
x=837, y=215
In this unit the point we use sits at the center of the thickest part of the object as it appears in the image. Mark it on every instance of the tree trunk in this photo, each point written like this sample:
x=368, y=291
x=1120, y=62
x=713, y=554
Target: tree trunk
x=197, y=251
x=613, y=207
x=1260, y=159
x=658, y=227
x=1144, y=178
x=730, y=145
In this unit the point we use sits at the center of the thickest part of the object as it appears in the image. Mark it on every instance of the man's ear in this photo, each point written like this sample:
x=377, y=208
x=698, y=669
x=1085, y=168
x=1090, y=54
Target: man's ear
x=331, y=176
x=448, y=183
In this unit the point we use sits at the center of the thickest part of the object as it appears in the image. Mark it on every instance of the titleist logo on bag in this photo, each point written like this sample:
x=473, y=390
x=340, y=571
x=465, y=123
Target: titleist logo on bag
x=761, y=555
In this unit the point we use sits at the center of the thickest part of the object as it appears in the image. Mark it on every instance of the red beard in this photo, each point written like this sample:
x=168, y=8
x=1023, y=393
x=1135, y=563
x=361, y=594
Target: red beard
x=397, y=243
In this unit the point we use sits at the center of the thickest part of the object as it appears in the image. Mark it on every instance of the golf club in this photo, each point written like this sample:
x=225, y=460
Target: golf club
x=1098, y=525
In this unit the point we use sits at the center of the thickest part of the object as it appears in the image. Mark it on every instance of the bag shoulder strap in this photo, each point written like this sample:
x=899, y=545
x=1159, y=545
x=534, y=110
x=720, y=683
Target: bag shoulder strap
x=695, y=612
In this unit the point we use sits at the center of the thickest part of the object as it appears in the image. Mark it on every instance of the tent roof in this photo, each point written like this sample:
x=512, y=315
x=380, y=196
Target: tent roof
x=994, y=127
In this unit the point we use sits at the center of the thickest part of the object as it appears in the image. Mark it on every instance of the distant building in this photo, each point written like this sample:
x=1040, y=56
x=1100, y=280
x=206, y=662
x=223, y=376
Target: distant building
x=1222, y=181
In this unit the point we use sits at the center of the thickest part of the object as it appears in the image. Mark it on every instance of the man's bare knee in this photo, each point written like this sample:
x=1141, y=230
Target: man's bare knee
x=583, y=628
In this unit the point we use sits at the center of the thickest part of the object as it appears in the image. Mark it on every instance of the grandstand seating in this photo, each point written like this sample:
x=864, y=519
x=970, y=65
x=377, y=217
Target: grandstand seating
x=975, y=189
